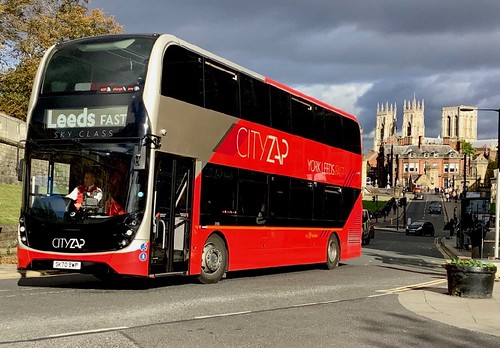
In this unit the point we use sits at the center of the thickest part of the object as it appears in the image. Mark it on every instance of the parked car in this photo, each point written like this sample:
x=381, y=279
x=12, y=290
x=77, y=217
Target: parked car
x=420, y=228
x=434, y=207
x=368, y=228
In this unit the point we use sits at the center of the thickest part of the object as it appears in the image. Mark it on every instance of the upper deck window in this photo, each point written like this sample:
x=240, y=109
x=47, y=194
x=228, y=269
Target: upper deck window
x=104, y=64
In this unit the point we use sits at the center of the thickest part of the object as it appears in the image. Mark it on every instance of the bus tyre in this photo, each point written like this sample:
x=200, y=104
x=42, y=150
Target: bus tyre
x=213, y=260
x=332, y=252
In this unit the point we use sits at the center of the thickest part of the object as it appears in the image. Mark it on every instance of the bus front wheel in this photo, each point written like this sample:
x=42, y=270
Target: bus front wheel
x=213, y=260
x=332, y=252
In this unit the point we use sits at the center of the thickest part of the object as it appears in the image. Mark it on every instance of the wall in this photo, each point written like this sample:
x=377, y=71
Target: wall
x=12, y=130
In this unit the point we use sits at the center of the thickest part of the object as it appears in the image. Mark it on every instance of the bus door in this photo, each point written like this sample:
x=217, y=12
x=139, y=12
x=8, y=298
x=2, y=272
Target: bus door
x=172, y=214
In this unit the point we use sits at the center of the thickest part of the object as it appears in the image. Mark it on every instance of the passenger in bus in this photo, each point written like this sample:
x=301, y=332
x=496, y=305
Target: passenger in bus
x=111, y=206
x=260, y=220
x=88, y=190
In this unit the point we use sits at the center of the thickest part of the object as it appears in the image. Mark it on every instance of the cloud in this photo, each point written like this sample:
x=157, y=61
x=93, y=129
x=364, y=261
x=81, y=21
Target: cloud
x=351, y=54
x=340, y=96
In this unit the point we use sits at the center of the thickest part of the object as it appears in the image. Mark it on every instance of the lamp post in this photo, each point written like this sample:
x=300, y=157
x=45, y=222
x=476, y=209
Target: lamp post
x=497, y=202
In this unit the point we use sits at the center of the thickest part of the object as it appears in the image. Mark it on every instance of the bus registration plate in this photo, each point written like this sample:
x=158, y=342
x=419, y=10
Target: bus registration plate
x=67, y=265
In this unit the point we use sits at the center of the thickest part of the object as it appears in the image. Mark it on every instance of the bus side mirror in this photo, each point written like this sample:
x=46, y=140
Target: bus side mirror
x=20, y=161
x=20, y=169
x=140, y=157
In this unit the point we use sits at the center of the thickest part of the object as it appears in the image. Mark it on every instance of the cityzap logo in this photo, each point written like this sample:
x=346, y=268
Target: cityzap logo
x=253, y=144
x=65, y=243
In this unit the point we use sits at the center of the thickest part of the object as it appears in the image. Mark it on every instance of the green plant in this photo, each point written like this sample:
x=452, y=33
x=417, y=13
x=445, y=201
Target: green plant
x=471, y=263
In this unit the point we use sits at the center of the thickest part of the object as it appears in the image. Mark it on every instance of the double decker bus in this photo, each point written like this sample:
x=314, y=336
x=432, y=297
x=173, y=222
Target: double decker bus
x=204, y=167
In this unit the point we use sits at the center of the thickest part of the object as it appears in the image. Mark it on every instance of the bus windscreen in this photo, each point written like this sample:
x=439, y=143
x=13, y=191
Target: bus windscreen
x=108, y=65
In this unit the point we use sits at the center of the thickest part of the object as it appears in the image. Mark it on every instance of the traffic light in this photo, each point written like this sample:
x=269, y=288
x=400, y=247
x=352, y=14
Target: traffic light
x=373, y=198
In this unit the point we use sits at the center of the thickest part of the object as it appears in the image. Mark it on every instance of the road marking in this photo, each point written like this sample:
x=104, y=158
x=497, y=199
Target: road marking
x=413, y=286
x=222, y=315
x=89, y=331
x=315, y=303
x=437, y=243
x=378, y=295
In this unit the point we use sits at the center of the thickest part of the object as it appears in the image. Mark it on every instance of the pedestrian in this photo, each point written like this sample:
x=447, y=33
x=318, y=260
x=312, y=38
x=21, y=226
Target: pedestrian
x=451, y=224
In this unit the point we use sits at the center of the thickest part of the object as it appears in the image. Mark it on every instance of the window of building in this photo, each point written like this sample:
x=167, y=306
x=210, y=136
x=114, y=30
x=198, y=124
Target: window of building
x=411, y=167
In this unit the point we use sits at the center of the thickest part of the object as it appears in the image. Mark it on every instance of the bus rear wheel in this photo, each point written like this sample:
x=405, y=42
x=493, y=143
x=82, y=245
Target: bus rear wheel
x=332, y=252
x=213, y=260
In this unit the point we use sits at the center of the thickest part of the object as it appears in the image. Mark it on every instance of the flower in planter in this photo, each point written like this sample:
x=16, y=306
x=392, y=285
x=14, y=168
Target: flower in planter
x=471, y=263
x=470, y=278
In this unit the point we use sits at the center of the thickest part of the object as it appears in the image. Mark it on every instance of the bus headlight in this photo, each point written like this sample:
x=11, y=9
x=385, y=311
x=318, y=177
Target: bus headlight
x=22, y=231
x=130, y=226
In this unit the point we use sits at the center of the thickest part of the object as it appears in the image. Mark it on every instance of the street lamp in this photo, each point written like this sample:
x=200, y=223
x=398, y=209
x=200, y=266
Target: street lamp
x=497, y=202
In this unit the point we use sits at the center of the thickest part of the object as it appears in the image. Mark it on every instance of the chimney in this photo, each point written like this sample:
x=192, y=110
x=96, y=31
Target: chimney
x=420, y=142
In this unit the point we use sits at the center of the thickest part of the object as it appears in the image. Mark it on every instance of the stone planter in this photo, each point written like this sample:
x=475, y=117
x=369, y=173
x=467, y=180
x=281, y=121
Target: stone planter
x=471, y=282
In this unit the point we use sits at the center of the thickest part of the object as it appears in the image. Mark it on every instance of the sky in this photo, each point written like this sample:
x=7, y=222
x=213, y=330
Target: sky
x=352, y=54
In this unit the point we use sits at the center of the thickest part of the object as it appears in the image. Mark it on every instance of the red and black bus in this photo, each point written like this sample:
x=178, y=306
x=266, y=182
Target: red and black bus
x=208, y=166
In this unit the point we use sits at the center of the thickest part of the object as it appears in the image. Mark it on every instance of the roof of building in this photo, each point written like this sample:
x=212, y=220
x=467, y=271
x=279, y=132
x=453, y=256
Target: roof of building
x=487, y=143
x=406, y=150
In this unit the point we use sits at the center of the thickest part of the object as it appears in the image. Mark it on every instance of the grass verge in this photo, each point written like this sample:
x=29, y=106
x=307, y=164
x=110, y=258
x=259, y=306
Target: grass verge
x=10, y=204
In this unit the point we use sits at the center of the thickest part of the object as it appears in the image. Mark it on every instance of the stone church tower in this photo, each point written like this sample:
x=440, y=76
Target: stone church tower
x=457, y=124
x=386, y=124
x=413, y=121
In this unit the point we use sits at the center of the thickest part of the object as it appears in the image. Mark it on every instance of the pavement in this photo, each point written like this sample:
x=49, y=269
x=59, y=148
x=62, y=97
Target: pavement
x=433, y=302
x=430, y=300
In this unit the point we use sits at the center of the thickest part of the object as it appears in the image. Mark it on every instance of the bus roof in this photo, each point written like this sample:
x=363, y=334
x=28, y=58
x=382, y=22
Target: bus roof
x=166, y=39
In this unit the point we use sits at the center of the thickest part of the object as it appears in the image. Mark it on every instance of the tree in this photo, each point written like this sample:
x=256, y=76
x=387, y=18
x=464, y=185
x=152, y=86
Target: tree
x=468, y=149
x=27, y=29
x=490, y=172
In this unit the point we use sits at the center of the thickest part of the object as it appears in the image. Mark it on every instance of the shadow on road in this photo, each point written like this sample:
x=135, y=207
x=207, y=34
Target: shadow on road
x=418, y=265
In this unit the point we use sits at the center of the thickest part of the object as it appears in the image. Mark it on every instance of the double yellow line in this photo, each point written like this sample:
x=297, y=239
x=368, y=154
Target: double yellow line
x=413, y=286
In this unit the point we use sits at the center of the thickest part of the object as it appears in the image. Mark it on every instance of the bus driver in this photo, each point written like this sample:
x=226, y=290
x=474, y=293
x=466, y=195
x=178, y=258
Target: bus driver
x=88, y=189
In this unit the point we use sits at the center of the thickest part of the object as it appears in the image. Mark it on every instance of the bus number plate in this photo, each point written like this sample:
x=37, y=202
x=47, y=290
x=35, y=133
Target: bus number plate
x=67, y=265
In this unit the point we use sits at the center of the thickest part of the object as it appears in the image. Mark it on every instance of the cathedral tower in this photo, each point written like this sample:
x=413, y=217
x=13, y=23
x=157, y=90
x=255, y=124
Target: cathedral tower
x=386, y=124
x=457, y=124
x=413, y=121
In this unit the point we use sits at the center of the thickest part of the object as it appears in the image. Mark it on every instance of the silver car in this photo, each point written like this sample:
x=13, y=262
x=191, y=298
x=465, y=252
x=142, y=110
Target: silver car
x=434, y=208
